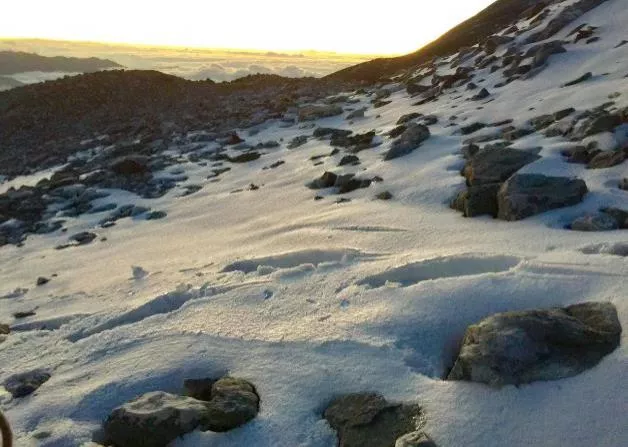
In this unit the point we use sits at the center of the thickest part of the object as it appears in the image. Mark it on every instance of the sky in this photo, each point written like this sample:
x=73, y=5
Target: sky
x=344, y=26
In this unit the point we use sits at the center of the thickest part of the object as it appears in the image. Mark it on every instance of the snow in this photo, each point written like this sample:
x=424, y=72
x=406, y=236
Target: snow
x=311, y=299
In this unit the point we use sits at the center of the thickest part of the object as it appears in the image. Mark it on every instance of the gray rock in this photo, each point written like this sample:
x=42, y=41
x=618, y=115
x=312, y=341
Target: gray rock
x=21, y=385
x=358, y=113
x=525, y=195
x=42, y=280
x=233, y=403
x=495, y=165
x=410, y=139
x=482, y=94
x=329, y=132
x=315, y=111
x=620, y=215
x=327, y=180
x=408, y=117
x=513, y=348
x=349, y=160
x=297, y=141
x=130, y=165
x=368, y=420
x=607, y=159
x=83, y=238
x=154, y=420
x=385, y=195
x=598, y=123
x=623, y=184
x=154, y=215
x=595, y=222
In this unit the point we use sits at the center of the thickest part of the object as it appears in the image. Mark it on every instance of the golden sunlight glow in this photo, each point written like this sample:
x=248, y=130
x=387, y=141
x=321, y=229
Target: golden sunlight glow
x=344, y=26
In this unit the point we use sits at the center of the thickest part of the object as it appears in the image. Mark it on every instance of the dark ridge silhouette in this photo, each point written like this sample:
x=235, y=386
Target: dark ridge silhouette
x=470, y=32
x=12, y=62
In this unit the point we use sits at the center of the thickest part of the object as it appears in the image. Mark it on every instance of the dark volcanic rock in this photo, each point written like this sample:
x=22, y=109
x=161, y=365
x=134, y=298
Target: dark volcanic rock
x=153, y=420
x=525, y=195
x=477, y=200
x=545, y=344
x=495, y=165
x=368, y=420
x=21, y=385
x=234, y=402
x=410, y=139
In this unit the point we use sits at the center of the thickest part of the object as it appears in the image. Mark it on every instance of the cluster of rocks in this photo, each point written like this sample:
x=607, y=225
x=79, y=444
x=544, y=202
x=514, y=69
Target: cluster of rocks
x=42, y=124
x=342, y=183
x=494, y=187
x=157, y=418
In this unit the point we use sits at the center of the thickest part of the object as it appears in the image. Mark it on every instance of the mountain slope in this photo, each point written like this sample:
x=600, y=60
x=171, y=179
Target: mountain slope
x=316, y=254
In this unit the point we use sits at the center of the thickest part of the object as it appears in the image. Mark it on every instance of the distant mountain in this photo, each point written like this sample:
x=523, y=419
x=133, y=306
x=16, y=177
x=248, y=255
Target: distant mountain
x=470, y=32
x=18, y=62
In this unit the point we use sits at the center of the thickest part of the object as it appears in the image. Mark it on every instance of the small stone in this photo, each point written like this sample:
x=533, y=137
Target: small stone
x=155, y=215
x=83, y=238
x=482, y=94
x=42, y=280
x=349, y=160
x=385, y=195
x=583, y=78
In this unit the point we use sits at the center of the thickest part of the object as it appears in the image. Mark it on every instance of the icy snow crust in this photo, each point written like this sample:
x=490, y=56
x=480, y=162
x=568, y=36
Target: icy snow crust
x=311, y=299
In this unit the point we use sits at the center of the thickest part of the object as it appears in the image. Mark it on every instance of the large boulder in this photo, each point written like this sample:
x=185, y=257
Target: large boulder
x=607, y=159
x=154, y=420
x=410, y=139
x=525, y=195
x=512, y=348
x=368, y=420
x=495, y=165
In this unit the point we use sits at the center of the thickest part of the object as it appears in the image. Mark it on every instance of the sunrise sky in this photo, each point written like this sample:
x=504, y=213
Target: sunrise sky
x=345, y=26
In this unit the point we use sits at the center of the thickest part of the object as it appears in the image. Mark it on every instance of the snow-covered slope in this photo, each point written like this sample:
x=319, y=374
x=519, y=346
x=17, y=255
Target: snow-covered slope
x=309, y=299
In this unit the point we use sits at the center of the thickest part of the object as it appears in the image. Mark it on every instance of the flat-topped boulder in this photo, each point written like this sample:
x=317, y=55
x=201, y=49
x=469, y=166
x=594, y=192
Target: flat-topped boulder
x=513, y=348
x=496, y=165
x=525, y=195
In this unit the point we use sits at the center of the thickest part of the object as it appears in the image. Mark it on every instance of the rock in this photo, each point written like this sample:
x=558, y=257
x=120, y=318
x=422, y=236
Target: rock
x=368, y=420
x=410, y=139
x=315, y=111
x=477, y=200
x=408, y=117
x=200, y=389
x=620, y=215
x=397, y=131
x=416, y=439
x=542, y=52
x=24, y=384
x=385, y=195
x=131, y=165
x=245, y=158
x=471, y=128
x=83, y=238
x=623, y=184
x=41, y=281
x=327, y=180
x=356, y=143
x=598, y=123
x=4, y=329
x=495, y=165
x=492, y=43
x=595, y=222
x=469, y=150
x=349, y=160
x=583, y=78
x=154, y=215
x=607, y=159
x=323, y=132
x=482, y=94
x=154, y=420
x=233, y=403
x=415, y=89
x=348, y=183
x=525, y=195
x=358, y=113
x=297, y=141
x=24, y=314
x=513, y=348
